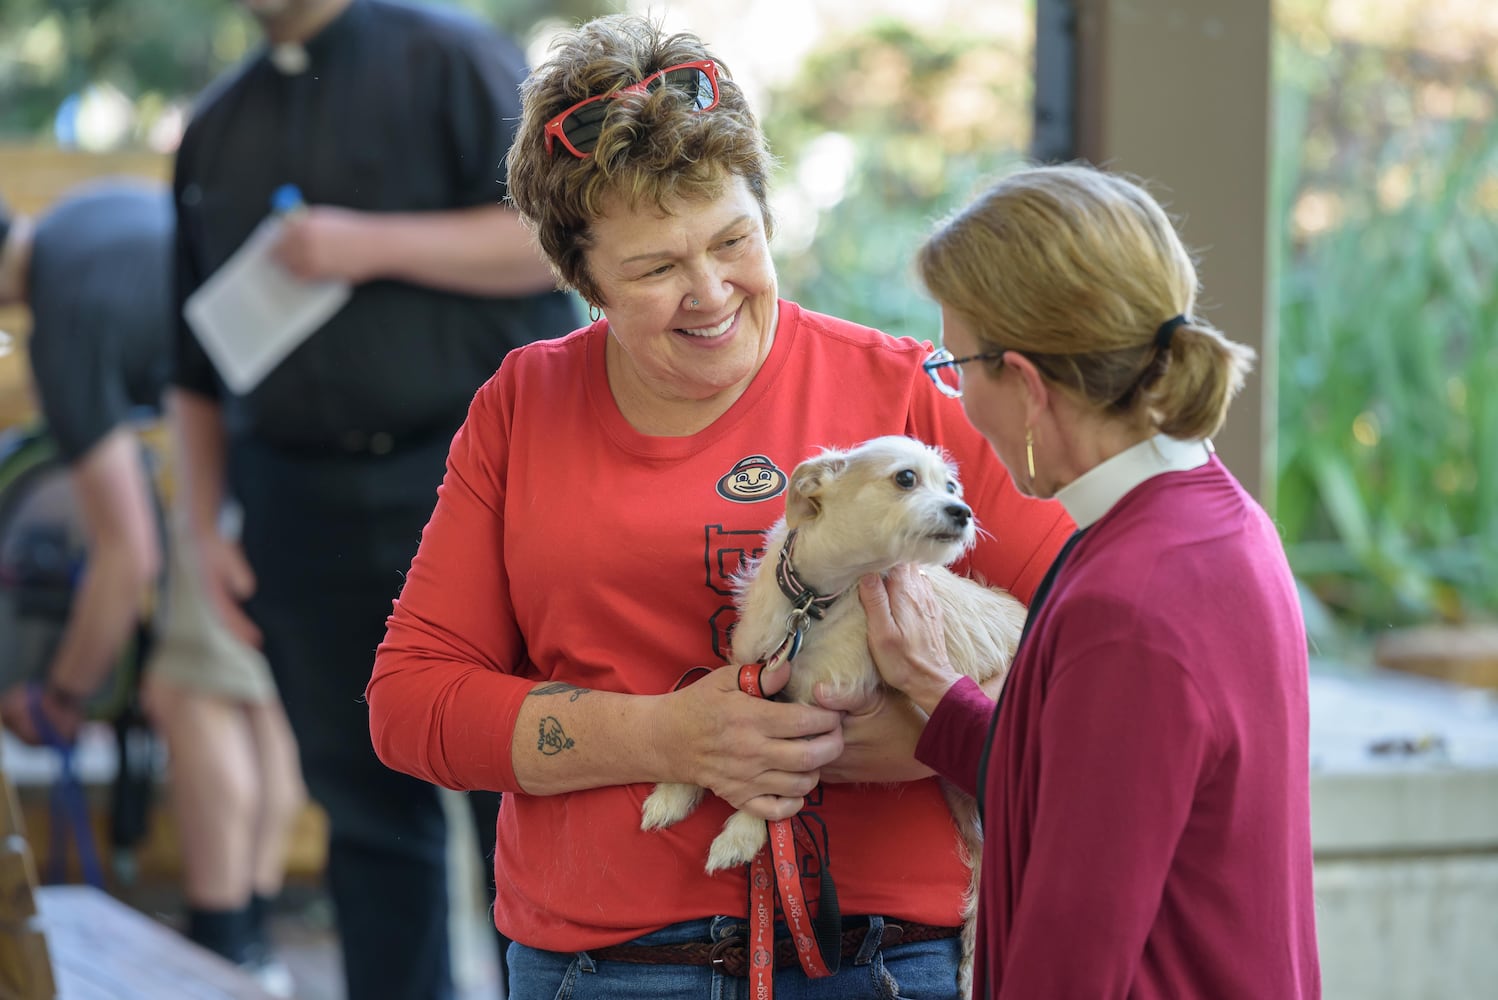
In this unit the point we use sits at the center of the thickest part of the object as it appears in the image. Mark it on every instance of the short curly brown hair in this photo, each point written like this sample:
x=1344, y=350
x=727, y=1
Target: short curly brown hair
x=654, y=148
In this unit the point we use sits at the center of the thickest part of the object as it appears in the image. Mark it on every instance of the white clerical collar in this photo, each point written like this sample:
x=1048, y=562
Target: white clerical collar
x=290, y=58
x=1094, y=492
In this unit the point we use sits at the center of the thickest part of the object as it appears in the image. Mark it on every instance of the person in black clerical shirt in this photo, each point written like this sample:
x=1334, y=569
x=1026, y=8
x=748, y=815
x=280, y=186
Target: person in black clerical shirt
x=393, y=122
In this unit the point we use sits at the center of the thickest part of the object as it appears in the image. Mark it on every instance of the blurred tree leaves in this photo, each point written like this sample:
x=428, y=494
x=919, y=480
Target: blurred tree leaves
x=148, y=49
x=882, y=132
x=1386, y=185
x=155, y=52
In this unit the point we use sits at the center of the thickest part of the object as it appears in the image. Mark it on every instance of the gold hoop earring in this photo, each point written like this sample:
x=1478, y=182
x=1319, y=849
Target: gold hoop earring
x=594, y=313
x=1030, y=452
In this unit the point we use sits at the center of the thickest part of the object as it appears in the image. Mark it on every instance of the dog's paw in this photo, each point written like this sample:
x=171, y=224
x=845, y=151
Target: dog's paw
x=742, y=837
x=669, y=803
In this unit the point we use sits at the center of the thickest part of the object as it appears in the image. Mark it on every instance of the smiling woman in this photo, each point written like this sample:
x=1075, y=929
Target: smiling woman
x=689, y=292
x=626, y=473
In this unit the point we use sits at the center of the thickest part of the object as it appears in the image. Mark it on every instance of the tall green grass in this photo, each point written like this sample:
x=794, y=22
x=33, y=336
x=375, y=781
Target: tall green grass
x=1387, y=492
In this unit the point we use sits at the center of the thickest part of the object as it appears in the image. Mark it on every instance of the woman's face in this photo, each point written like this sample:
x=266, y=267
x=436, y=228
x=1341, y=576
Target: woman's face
x=650, y=267
x=993, y=407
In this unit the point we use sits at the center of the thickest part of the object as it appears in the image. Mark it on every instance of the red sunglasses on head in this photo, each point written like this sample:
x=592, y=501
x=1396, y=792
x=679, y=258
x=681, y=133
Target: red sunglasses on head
x=577, y=128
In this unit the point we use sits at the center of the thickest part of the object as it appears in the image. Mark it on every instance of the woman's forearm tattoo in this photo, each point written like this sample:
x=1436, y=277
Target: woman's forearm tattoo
x=558, y=687
x=552, y=738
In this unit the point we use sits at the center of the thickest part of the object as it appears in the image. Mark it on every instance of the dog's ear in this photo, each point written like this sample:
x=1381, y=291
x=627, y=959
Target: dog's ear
x=803, y=499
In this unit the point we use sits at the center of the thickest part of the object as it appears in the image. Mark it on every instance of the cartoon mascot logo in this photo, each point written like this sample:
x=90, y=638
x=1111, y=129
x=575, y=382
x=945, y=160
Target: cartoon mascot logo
x=751, y=480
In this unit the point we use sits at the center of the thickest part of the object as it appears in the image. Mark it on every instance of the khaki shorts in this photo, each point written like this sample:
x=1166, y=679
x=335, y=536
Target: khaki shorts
x=194, y=650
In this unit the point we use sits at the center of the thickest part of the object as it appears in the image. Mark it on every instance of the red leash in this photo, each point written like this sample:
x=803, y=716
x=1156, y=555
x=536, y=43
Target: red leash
x=775, y=867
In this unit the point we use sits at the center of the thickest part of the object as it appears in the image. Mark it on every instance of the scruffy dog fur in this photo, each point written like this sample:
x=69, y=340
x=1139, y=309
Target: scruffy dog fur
x=865, y=510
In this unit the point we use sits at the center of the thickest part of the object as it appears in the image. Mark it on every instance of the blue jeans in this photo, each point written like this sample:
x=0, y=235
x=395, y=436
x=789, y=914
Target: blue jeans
x=925, y=970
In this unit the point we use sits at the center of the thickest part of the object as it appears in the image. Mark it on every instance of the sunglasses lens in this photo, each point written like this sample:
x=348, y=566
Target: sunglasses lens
x=583, y=125
x=692, y=82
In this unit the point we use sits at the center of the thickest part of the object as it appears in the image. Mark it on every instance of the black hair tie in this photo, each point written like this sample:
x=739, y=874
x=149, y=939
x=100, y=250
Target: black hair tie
x=1167, y=331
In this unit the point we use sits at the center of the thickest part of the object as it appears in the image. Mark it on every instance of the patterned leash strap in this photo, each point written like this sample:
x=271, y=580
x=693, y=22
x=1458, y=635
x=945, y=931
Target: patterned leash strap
x=69, y=805
x=775, y=869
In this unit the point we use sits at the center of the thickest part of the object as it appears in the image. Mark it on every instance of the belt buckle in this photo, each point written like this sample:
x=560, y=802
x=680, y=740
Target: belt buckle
x=717, y=958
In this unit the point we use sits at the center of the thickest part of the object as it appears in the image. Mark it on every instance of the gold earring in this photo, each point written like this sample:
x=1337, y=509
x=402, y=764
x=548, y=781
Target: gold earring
x=1030, y=452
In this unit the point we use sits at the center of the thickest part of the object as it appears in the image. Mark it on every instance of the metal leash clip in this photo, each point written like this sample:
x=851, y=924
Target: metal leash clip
x=796, y=624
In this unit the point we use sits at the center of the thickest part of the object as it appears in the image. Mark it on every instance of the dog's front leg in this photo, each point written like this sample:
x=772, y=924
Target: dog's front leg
x=741, y=839
x=670, y=802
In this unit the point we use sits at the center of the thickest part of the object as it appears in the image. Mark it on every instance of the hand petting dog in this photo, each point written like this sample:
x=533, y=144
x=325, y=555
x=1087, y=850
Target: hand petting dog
x=902, y=608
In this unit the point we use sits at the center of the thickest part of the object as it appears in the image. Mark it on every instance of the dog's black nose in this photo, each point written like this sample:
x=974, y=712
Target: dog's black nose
x=960, y=513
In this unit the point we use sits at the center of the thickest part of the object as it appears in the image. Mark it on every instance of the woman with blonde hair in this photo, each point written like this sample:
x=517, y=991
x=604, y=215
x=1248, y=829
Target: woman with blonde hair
x=1145, y=776
x=579, y=566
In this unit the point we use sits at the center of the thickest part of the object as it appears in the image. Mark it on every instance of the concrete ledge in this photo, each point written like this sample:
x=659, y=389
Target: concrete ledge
x=1404, y=822
x=1412, y=810
x=1411, y=929
x=1401, y=764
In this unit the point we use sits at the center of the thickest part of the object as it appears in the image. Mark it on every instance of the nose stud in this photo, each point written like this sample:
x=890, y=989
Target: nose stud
x=693, y=305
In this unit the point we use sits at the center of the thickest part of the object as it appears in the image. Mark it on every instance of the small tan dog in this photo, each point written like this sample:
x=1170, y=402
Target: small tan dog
x=848, y=513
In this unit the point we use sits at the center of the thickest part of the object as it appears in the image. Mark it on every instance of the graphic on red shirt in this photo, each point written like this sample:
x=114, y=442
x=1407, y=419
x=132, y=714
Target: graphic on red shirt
x=752, y=480
x=727, y=553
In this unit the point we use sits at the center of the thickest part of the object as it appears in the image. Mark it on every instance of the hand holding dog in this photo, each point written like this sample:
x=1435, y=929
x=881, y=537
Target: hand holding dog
x=880, y=732
x=758, y=755
x=907, y=635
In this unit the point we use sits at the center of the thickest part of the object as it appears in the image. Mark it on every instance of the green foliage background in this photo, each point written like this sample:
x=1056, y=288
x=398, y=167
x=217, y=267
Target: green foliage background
x=930, y=115
x=1386, y=188
x=157, y=51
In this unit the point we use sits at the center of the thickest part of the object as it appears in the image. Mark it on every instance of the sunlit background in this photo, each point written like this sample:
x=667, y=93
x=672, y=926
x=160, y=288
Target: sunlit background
x=885, y=113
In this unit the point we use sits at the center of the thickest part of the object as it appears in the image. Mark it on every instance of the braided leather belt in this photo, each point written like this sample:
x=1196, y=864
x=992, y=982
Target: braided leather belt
x=731, y=957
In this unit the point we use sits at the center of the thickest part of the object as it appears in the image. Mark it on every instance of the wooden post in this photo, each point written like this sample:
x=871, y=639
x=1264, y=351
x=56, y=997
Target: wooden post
x=25, y=966
x=1176, y=93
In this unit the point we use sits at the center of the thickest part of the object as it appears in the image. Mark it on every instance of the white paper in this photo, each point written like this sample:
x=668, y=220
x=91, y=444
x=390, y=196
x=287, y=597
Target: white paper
x=252, y=312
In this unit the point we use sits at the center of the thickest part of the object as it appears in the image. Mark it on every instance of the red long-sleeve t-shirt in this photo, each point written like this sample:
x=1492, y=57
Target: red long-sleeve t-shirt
x=567, y=546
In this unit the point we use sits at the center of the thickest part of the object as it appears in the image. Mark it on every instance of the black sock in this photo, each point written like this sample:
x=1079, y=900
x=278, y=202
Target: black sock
x=259, y=916
x=226, y=932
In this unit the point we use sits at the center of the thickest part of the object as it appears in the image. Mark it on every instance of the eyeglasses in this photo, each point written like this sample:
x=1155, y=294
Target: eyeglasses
x=940, y=362
x=577, y=128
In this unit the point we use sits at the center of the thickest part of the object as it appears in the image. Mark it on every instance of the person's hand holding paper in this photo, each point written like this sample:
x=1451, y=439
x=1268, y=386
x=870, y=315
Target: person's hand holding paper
x=254, y=311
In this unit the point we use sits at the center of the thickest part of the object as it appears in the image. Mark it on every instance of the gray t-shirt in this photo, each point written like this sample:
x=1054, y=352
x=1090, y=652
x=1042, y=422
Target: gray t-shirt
x=101, y=306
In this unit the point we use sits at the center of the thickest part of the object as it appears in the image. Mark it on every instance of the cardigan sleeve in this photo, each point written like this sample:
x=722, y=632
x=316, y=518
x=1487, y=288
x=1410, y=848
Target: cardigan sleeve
x=952, y=742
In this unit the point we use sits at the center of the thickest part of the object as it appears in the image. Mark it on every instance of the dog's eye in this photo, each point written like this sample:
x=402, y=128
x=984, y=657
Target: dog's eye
x=905, y=479
x=952, y=486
